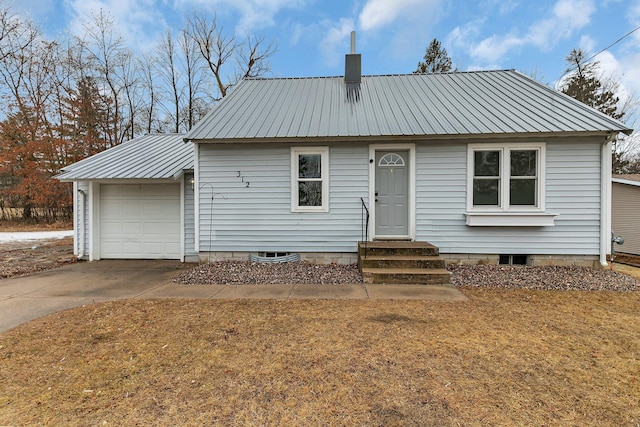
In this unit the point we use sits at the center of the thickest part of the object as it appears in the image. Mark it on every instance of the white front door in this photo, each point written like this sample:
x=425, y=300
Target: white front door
x=392, y=194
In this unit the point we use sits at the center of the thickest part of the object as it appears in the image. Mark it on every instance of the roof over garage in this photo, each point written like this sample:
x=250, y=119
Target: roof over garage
x=629, y=179
x=153, y=156
x=413, y=105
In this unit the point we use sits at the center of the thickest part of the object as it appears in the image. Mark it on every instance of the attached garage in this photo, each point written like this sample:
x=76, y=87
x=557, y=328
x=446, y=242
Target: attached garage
x=140, y=221
x=135, y=200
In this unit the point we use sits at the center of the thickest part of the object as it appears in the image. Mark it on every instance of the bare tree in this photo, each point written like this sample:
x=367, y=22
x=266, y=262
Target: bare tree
x=193, y=67
x=149, y=75
x=222, y=51
x=167, y=56
x=104, y=52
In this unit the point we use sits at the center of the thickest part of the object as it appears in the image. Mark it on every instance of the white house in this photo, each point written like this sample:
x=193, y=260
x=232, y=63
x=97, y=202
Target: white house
x=489, y=166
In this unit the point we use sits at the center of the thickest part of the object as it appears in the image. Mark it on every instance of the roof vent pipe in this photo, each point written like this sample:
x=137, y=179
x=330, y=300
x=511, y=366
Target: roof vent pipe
x=353, y=42
x=352, y=65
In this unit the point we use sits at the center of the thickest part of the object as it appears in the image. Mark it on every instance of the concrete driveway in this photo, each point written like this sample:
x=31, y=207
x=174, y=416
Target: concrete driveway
x=27, y=298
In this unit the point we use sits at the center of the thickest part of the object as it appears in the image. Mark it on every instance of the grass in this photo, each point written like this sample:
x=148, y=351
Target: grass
x=505, y=357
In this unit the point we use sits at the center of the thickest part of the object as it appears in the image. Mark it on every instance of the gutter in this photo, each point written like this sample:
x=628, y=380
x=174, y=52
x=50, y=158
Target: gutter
x=605, y=199
x=81, y=227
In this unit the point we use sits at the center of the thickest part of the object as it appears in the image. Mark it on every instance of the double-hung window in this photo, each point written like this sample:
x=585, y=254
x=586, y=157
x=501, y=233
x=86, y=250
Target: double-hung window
x=505, y=179
x=310, y=179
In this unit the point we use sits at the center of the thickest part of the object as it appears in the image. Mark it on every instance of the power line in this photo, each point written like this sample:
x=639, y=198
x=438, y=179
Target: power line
x=614, y=43
x=572, y=69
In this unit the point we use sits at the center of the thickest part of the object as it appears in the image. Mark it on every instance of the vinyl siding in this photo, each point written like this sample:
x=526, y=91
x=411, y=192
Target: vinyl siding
x=259, y=218
x=625, y=223
x=572, y=192
x=252, y=211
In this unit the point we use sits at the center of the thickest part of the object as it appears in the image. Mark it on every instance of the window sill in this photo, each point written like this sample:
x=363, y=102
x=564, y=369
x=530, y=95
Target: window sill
x=310, y=210
x=510, y=219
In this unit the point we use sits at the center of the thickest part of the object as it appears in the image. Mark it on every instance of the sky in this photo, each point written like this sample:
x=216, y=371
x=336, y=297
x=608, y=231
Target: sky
x=313, y=36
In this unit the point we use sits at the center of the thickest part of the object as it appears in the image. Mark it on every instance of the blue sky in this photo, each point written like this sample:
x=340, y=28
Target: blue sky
x=312, y=35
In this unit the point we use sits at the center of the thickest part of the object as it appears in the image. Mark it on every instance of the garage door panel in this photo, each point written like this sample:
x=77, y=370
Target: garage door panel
x=159, y=210
x=160, y=192
x=131, y=209
x=140, y=221
x=110, y=190
x=132, y=229
x=158, y=228
x=112, y=210
x=132, y=190
x=111, y=228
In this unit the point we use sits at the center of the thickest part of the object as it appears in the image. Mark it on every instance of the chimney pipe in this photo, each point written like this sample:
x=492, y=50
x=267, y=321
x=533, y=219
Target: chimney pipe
x=352, y=64
x=353, y=42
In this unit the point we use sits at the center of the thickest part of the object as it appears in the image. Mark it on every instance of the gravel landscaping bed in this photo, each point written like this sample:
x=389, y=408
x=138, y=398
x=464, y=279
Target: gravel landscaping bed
x=542, y=278
x=487, y=276
x=253, y=273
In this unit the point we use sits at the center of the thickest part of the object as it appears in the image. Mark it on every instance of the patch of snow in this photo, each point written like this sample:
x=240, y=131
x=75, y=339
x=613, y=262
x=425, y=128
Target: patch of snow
x=26, y=236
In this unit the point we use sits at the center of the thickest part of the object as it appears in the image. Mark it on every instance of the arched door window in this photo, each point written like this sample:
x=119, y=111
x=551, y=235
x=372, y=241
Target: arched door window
x=390, y=160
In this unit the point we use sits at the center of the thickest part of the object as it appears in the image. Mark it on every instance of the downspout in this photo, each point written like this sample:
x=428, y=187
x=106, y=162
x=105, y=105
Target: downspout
x=605, y=199
x=81, y=227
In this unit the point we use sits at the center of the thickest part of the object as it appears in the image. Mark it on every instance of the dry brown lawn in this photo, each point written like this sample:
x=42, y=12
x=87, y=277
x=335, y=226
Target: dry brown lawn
x=506, y=357
x=9, y=225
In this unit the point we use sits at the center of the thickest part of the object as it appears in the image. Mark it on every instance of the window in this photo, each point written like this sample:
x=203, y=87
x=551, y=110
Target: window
x=310, y=179
x=505, y=185
x=506, y=178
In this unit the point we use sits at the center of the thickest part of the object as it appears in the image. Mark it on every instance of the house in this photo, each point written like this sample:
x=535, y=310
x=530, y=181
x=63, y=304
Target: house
x=489, y=166
x=625, y=220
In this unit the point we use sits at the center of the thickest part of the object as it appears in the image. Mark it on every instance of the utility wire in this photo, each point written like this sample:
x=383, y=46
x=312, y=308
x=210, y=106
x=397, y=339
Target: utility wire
x=572, y=69
x=614, y=43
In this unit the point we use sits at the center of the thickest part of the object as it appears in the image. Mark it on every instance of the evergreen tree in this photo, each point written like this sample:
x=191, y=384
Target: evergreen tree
x=436, y=59
x=585, y=85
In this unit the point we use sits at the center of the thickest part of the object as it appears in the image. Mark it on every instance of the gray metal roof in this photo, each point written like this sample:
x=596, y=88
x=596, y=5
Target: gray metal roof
x=154, y=156
x=430, y=105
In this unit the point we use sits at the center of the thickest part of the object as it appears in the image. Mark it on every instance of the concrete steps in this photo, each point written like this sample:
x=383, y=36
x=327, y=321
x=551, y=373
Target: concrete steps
x=401, y=262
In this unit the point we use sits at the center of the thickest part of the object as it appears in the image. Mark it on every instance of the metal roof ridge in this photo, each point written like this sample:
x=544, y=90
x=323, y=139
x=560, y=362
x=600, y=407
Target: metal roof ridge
x=382, y=75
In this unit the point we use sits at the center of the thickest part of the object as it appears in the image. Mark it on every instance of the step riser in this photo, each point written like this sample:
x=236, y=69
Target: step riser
x=391, y=263
x=409, y=279
x=398, y=251
x=401, y=263
x=397, y=248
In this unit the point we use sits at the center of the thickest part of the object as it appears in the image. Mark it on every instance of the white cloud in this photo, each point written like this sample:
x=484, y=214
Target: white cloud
x=587, y=43
x=492, y=49
x=254, y=14
x=139, y=20
x=335, y=42
x=380, y=13
x=567, y=17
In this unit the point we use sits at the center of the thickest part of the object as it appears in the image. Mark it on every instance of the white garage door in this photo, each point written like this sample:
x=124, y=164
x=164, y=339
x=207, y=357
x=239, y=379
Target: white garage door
x=140, y=221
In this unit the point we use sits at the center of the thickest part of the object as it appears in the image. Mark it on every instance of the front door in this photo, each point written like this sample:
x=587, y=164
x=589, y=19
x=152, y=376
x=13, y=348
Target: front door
x=392, y=194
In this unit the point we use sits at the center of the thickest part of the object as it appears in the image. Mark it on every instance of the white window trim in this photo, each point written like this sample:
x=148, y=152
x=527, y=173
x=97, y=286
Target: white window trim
x=324, y=170
x=503, y=214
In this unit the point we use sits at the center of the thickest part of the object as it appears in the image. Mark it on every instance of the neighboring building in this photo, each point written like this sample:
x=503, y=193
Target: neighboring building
x=625, y=212
x=485, y=165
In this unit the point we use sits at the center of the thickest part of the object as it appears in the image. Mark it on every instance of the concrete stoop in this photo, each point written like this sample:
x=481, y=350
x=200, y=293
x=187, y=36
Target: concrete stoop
x=402, y=262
